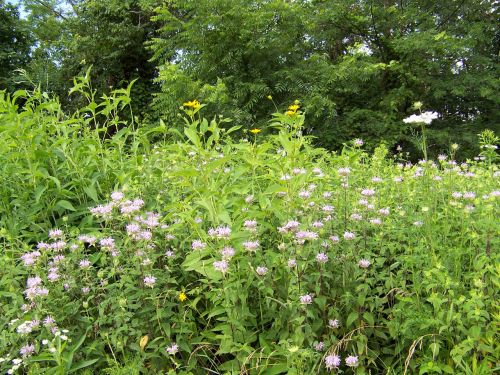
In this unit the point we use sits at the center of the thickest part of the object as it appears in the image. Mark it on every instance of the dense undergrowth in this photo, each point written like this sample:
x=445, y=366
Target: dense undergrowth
x=205, y=254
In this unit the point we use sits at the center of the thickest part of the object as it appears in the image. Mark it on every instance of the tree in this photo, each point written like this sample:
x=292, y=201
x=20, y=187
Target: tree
x=109, y=35
x=14, y=46
x=357, y=66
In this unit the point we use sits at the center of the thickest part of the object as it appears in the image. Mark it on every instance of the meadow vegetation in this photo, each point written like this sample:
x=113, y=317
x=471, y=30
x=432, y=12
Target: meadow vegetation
x=209, y=248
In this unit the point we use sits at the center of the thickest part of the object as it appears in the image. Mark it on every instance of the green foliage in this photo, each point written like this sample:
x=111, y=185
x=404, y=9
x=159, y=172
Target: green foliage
x=350, y=254
x=14, y=46
x=356, y=66
x=108, y=35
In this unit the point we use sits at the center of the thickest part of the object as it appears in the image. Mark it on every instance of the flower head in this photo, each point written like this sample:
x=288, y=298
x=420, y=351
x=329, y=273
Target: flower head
x=364, y=263
x=306, y=299
x=352, y=361
x=255, y=131
x=172, y=349
x=182, y=296
x=332, y=361
x=261, y=271
x=194, y=104
x=425, y=117
x=150, y=281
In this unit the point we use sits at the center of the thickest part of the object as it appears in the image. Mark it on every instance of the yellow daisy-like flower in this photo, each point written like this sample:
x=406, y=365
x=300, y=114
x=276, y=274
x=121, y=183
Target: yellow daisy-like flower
x=255, y=131
x=195, y=104
x=182, y=296
x=294, y=107
x=290, y=113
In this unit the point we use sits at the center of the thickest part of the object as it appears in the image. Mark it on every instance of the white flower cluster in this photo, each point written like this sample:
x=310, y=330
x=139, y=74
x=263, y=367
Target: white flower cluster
x=425, y=117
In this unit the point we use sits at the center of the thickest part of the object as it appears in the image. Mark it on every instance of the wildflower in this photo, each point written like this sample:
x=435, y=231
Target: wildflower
x=84, y=264
x=255, y=131
x=334, y=239
x=150, y=281
x=319, y=346
x=292, y=263
x=250, y=225
x=306, y=299
x=48, y=321
x=85, y=290
x=55, y=233
x=129, y=207
x=333, y=323
x=368, y=192
x=194, y=104
x=198, y=245
x=358, y=142
x=332, y=361
x=317, y=224
x=58, y=246
x=261, y=271
x=107, y=243
x=376, y=221
x=172, y=349
x=352, y=361
x=327, y=208
x=53, y=276
x=27, y=350
x=290, y=226
x=425, y=117
x=145, y=235
x=270, y=97
x=327, y=194
x=304, y=194
x=356, y=217
x=25, y=328
x=220, y=232
x=117, y=196
x=227, y=252
x=298, y=171
x=322, y=258
x=418, y=223
x=344, y=171
x=30, y=258
x=469, y=195
x=364, y=263
x=251, y=245
x=221, y=266
x=349, y=236
x=182, y=296
x=103, y=211
x=249, y=199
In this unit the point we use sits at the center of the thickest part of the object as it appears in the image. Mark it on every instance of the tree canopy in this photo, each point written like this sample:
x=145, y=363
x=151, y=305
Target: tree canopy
x=356, y=66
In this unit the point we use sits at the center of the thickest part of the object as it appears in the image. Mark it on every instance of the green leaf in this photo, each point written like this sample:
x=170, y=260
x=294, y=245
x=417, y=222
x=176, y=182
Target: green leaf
x=91, y=192
x=351, y=318
x=82, y=364
x=66, y=205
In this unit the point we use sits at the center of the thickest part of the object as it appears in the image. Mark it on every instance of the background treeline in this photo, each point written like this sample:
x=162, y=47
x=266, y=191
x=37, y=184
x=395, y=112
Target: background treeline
x=357, y=66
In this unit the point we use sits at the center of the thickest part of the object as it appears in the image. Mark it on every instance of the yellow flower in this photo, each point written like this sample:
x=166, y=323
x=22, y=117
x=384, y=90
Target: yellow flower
x=143, y=342
x=270, y=97
x=195, y=104
x=255, y=131
x=182, y=296
x=291, y=113
x=294, y=107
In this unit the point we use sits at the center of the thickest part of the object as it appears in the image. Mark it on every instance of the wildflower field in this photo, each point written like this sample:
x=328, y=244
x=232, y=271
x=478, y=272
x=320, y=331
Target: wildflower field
x=214, y=249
